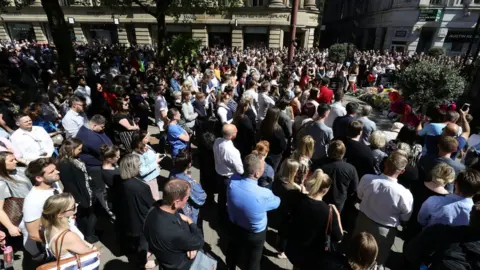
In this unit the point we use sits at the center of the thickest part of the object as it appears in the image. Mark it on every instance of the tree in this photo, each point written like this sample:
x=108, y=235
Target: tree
x=338, y=52
x=58, y=26
x=436, y=51
x=426, y=84
x=160, y=9
x=182, y=47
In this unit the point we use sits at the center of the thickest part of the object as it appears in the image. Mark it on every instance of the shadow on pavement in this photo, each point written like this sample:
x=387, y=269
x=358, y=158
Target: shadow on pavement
x=116, y=265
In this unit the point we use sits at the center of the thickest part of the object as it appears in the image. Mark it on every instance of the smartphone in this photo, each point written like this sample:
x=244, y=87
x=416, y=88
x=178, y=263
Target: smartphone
x=465, y=106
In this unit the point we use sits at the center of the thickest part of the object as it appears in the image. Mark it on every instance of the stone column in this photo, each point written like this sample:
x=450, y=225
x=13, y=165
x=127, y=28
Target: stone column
x=79, y=35
x=275, y=38
x=439, y=38
x=3, y=33
x=237, y=38
x=276, y=3
x=122, y=35
x=310, y=4
x=311, y=38
x=388, y=39
x=378, y=38
x=142, y=34
x=200, y=32
x=40, y=36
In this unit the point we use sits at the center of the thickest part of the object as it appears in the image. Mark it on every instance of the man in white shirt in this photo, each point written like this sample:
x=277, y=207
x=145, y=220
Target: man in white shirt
x=83, y=90
x=44, y=175
x=32, y=141
x=161, y=108
x=228, y=161
x=264, y=101
x=336, y=109
x=384, y=204
x=252, y=92
x=75, y=117
x=192, y=77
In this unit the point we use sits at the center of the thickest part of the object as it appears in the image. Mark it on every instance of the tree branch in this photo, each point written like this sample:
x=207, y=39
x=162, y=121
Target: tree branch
x=147, y=8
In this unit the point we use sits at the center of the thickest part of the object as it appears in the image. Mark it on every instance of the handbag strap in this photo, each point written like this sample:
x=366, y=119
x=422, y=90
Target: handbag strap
x=58, y=250
x=328, y=229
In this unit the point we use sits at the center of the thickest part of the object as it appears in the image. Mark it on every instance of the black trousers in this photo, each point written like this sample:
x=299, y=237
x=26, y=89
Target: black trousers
x=248, y=242
x=86, y=221
x=222, y=196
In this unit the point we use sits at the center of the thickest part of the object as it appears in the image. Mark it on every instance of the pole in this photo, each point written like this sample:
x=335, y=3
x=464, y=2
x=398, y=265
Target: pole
x=293, y=31
x=472, y=40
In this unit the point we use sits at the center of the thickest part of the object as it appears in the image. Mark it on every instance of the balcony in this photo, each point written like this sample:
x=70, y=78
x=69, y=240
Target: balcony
x=449, y=3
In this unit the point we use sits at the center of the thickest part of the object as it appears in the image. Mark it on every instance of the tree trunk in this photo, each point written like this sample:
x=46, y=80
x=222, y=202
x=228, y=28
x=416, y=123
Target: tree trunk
x=161, y=38
x=60, y=34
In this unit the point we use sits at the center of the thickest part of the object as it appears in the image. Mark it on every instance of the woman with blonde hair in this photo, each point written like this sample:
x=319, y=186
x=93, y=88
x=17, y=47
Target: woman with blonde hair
x=188, y=113
x=378, y=140
x=57, y=221
x=440, y=176
x=303, y=155
x=284, y=184
x=309, y=217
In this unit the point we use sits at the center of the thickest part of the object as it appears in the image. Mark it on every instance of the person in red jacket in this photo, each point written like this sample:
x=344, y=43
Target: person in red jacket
x=326, y=94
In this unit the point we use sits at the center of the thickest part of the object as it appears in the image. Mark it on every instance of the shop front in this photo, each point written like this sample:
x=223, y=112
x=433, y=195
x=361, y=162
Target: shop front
x=21, y=31
x=101, y=33
x=457, y=41
x=219, y=36
x=255, y=36
x=172, y=31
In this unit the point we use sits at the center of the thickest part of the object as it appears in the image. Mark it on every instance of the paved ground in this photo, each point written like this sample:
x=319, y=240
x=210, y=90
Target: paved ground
x=215, y=237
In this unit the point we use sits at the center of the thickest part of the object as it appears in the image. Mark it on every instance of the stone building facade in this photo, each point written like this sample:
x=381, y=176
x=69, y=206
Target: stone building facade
x=258, y=22
x=403, y=25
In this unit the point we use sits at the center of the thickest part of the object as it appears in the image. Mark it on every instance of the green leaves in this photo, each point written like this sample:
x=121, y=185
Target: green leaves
x=427, y=83
x=338, y=52
x=183, y=47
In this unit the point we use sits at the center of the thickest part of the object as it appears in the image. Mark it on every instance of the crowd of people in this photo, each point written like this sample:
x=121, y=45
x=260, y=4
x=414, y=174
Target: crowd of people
x=274, y=141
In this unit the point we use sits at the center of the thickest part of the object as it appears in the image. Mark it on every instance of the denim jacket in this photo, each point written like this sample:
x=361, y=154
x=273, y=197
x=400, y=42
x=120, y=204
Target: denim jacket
x=149, y=169
x=197, y=196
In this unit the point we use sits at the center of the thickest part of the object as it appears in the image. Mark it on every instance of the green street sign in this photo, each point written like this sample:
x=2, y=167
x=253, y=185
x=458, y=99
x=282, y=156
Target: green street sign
x=430, y=15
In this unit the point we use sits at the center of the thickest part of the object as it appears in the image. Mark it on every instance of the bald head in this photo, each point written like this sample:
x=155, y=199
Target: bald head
x=451, y=129
x=229, y=131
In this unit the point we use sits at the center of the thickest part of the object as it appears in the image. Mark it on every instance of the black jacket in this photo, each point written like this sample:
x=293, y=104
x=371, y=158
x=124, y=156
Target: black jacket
x=131, y=203
x=445, y=247
x=74, y=182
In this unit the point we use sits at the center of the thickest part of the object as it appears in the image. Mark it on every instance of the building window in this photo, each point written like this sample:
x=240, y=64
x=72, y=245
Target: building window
x=457, y=46
x=257, y=3
x=436, y=2
x=476, y=1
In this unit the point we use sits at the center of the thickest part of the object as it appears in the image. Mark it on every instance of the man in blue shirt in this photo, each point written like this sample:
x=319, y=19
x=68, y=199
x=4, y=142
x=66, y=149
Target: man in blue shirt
x=247, y=205
x=453, y=209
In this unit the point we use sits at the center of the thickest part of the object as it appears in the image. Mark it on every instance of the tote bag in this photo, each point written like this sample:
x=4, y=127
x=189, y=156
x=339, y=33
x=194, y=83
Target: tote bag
x=87, y=261
x=203, y=262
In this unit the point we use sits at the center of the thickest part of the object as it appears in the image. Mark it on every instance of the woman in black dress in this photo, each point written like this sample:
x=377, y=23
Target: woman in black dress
x=77, y=181
x=131, y=203
x=124, y=125
x=271, y=131
x=245, y=140
x=308, y=217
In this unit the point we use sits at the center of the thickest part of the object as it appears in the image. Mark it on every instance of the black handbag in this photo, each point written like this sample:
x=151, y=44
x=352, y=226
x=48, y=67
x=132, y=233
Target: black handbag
x=328, y=231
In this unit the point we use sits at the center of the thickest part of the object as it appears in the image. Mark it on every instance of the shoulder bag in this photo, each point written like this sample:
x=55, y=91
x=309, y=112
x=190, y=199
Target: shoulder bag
x=13, y=207
x=328, y=231
x=90, y=260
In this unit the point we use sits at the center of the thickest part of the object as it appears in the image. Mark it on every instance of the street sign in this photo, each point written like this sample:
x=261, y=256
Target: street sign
x=430, y=15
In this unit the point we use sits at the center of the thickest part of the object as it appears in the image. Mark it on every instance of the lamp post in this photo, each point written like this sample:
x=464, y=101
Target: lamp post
x=293, y=31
